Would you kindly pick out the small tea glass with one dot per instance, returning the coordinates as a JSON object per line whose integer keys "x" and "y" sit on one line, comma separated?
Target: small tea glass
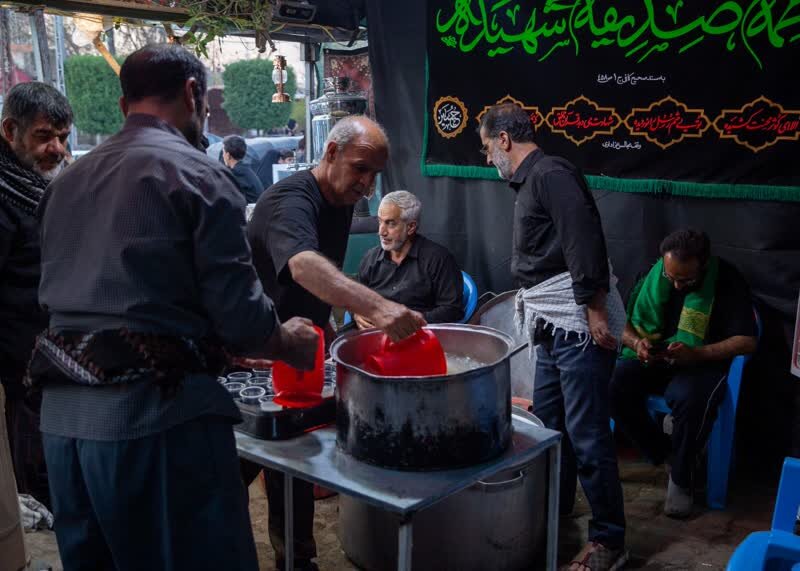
{"x": 260, "y": 382}
{"x": 240, "y": 377}
{"x": 251, "y": 395}
{"x": 235, "y": 389}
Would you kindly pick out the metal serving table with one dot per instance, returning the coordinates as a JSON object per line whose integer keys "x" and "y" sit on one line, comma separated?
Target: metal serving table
{"x": 314, "y": 457}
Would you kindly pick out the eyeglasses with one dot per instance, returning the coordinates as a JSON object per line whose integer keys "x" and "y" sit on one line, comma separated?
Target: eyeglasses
{"x": 684, "y": 282}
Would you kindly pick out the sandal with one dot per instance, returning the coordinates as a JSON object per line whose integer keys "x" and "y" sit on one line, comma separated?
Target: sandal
{"x": 597, "y": 557}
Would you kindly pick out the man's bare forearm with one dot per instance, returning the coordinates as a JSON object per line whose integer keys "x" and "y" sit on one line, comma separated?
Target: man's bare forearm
{"x": 629, "y": 336}
{"x": 319, "y": 276}
{"x": 730, "y": 347}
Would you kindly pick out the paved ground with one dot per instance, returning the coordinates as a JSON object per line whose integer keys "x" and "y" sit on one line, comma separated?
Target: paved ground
{"x": 703, "y": 542}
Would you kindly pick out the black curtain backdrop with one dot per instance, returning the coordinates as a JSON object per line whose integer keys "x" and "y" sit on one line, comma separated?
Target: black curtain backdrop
{"x": 473, "y": 218}
{"x": 620, "y": 116}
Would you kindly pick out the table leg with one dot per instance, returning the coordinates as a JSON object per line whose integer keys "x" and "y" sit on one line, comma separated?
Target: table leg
{"x": 404, "y": 546}
{"x": 288, "y": 521}
{"x": 554, "y": 470}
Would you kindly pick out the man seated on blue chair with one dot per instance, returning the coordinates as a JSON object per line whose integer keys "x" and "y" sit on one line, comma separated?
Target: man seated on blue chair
{"x": 687, "y": 318}
{"x": 408, "y": 268}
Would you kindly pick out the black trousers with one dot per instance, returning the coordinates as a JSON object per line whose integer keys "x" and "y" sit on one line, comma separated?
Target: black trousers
{"x": 305, "y": 548}
{"x": 692, "y": 392}
{"x": 170, "y": 502}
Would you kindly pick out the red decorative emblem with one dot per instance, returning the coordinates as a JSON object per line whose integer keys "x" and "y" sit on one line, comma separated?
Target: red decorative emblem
{"x": 758, "y": 124}
{"x": 582, "y": 119}
{"x": 667, "y": 122}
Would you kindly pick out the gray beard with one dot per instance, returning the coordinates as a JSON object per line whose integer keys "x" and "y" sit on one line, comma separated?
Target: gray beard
{"x": 503, "y": 165}
{"x": 395, "y": 247}
{"x": 52, "y": 173}
{"x": 392, "y": 248}
{"x": 27, "y": 161}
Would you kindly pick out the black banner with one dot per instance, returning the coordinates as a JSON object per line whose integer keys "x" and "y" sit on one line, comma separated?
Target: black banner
{"x": 688, "y": 96}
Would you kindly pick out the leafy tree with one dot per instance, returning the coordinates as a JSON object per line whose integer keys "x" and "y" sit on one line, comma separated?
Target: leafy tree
{"x": 248, "y": 95}
{"x": 93, "y": 91}
{"x": 299, "y": 113}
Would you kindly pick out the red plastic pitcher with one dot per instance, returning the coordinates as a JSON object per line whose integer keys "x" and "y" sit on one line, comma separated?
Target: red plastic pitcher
{"x": 300, "y": 389}
{"x": 420, "y": 355}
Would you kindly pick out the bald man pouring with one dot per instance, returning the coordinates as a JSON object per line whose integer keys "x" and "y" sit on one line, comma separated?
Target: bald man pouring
{"x": 298, "y": 233}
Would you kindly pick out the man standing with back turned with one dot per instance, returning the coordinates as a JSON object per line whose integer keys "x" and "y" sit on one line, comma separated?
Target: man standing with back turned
{"x": 147, "y": 275}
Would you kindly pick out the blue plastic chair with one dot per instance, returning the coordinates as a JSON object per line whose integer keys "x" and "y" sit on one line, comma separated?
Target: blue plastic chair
{"x": 470, "y": 297}
{"x": 720, "y": 442}
{"x": 469, "y": 304}
{"x": 778, "y": 548}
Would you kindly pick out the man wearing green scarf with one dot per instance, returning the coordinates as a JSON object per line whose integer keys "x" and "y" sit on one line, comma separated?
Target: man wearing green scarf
{"x": 687, "y": 318}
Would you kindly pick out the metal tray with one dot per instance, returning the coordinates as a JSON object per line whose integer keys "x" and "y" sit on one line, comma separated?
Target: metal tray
{"x": 279, "y": 423}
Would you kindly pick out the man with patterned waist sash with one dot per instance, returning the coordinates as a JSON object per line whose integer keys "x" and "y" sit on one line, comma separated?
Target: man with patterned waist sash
{"x": 687, "y": 318}
{"x": 148, "y": 280}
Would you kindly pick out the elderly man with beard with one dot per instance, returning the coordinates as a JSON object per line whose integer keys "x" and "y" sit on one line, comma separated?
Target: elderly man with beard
{"x": 148, "y": 278}
{"x": 573, "y": 314}
{"x": 408, "y": 268}
{"x": 36, "y": 121}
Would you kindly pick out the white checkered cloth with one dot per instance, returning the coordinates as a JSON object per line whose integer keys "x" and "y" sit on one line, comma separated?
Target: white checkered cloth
{"x": 34, "y": 514}
{"x": 553, "y": 303}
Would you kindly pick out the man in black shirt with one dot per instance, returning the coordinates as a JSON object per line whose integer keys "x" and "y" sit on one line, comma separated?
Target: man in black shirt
{"x": 299, "y": 232}
{"x": 410, "y": 269}
{"x": 234, "y": 149}
{"x": 35, "y": 124}
{"x": 573, "y": 315}
{"x": 687, "y": 318}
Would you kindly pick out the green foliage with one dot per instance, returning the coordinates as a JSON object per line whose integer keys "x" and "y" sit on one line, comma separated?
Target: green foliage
{"x": 248, "y": 95}
{"x": 93, "y": 91}
{"x": 299, "y": 113}
{"x": 211, "y": 20}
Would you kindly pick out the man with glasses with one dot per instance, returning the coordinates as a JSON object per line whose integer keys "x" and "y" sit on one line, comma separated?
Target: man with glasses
{"x": 687, "y": 318}
{"x": 299, "y": 232}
